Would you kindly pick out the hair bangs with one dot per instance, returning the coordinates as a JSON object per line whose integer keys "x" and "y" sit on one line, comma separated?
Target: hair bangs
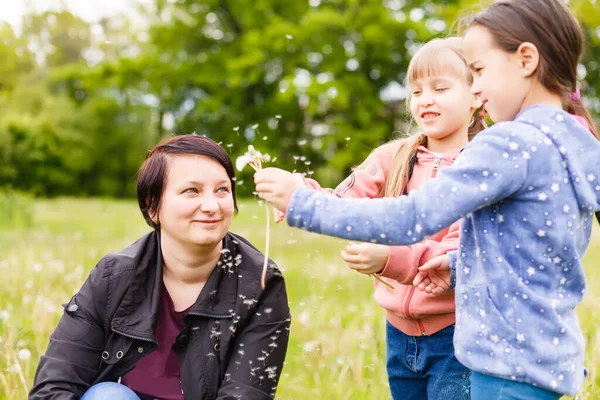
{"x": 437, "y": 59}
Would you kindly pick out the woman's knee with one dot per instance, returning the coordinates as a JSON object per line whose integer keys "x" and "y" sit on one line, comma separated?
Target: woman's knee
{"x": 109, "y": 390}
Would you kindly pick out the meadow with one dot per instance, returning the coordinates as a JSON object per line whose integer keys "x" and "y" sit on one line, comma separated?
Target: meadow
{"x": 337, "y": 343}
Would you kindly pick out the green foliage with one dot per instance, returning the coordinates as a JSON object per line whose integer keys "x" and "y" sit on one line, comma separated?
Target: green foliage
{"x": 337, "y": 340}
{"x": 16, "y": 210}
{"x": 81, "y": 104}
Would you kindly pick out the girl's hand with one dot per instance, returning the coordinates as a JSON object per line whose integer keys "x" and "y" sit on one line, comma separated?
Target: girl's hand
{"x": 276, "y": 186}
{"x": 434, "y": 276}
{"x": 366, "y": 258}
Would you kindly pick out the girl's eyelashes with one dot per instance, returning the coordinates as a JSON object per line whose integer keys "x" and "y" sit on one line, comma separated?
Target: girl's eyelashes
{"x": 417, "y": 92}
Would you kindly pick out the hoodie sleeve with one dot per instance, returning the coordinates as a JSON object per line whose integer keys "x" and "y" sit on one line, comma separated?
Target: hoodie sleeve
{"x": 404, "y": 261}
{"x": 452, "y": 261}
{"x": 473, "y": 182}
{"x": 367, "y": 180}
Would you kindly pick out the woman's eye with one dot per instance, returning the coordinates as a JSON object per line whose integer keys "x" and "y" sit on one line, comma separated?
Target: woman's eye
{"x": 190, "y": 190}
{"x": 442, "y": 89}
{"x": 416, "y": 92}
{"x": 223, "y": 189}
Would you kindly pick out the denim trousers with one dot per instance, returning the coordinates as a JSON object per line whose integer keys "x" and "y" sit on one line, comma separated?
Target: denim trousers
{"x": 486, "y": 387}
{"x": 424, "y": 367}
{"x": 109, "y": 391}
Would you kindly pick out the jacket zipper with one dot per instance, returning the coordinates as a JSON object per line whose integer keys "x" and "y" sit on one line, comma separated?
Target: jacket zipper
{"x": 411, "y": 291}
{"x": 436, "y": 166}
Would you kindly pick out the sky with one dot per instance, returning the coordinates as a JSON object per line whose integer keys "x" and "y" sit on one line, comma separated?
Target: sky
{"x": 11, "y": 11}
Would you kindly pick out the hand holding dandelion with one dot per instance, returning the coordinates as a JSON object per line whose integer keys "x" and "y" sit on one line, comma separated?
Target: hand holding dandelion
{"x": 276, "y": 186}
{"x": 255, "y": 158}
{"x": 367, "y": 258}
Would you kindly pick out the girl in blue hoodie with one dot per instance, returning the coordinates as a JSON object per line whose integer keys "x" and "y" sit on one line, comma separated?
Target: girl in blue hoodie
{"x": 526, "y": 190}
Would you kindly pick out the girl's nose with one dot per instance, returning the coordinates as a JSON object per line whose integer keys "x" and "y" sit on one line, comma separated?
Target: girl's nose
{"x": 475, "y": 88}
{"x": 426, "y": 99}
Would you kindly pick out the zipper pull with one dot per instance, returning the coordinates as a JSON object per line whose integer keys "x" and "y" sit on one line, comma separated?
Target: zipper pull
{"x": 436, "y": 166}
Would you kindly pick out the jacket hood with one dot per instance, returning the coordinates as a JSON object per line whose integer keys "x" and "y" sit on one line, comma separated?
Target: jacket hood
{"x": 580, "y": 151}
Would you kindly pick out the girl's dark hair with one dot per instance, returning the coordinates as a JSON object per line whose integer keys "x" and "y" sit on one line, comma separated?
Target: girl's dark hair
{"x": 554, "y": 30}
{"x": 153, "y": 172}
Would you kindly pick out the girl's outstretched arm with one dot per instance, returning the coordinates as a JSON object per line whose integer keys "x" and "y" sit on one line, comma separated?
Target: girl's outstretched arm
{"x": 492, "y": 167}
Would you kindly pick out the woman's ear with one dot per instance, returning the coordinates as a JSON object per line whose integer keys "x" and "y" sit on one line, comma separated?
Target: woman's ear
{"x": 153, "y": 213}
{"x": 528, "y": 58}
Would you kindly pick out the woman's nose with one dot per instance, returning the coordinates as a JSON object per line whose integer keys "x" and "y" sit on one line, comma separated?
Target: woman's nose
{"x": 209, "y": 204}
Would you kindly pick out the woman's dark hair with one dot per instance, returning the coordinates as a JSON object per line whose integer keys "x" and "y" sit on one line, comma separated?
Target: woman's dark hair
{"x": 153, "y": 172}
{"x": 554, "y": 30}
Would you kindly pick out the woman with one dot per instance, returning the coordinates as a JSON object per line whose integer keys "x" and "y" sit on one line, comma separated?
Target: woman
{"x": 180, "y": 314}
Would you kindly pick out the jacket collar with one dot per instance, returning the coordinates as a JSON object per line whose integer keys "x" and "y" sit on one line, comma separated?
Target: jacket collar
{"x": 450, "y": 155}
{"x": 137, "y": 313}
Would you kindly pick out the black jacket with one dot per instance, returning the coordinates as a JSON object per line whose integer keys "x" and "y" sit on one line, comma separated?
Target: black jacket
{"x": 232, "y": 347}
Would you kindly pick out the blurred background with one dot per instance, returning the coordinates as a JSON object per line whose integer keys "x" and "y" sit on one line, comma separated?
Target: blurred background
{"x": 88, "y": 86}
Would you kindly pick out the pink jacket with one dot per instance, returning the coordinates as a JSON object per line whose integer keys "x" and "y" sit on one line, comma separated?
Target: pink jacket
{"x": 410, "y": 310}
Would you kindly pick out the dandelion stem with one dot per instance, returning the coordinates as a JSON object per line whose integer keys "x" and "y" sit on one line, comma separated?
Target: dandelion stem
{"x": 254, "y": 159}
{"x": 381, "y": 280}
{"x": 374, "y": 275}
{"x": 266, "y": 262}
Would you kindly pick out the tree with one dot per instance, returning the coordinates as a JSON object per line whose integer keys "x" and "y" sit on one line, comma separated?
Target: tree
{"x": 317, "y": 84}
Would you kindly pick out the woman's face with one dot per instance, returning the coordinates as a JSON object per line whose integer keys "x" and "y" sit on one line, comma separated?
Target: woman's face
{"x": 197, "y": 204}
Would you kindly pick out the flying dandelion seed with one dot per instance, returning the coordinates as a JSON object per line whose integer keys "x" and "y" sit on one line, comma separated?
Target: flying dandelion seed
{"x": 24, "y": 354}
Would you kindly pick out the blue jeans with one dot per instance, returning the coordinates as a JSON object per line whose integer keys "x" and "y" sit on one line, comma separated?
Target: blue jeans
{"x": 109, "y": 390}
{"x": 486, "y": 387}
{"x": 424, "y": 367}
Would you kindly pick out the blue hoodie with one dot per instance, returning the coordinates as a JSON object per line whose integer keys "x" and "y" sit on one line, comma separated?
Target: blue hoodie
{"x": 526, "y": 191}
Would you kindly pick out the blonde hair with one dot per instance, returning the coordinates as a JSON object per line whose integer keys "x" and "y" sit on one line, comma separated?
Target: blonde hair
{"x": 434, "y": 58}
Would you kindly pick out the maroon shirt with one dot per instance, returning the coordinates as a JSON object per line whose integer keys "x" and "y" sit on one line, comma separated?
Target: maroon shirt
{"x": 156, "y": 376}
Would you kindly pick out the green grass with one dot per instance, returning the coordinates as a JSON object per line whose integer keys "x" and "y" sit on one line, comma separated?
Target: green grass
{"x": 337, "y": 346}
